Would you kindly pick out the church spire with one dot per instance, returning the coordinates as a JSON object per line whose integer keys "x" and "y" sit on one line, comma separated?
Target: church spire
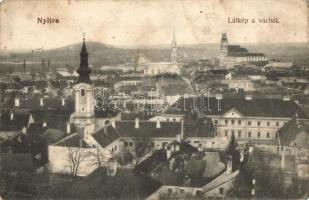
{"x": 84, "y": 70}
{"x": 174, "y": 48}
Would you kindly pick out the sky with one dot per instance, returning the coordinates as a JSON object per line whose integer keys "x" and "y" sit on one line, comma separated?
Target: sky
{"x": 141, "y": 23}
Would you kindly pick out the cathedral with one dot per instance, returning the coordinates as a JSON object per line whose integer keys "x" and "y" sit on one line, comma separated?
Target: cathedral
{"x": 233, "y": 55}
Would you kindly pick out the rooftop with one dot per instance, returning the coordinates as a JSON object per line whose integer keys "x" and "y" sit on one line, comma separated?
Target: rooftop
{"x": 275, "y": 108}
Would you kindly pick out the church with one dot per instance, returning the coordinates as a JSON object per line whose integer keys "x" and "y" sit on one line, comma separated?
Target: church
{"x": 235, "y": 55}
{"x": 172, "y": 67}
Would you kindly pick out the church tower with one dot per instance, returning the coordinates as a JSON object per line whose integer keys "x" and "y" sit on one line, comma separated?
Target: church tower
{"x": 83, "y": 116}
{"x": 224, "y": 44}
{"x": 223, "y": 49}
{"x": 174, "y": 49}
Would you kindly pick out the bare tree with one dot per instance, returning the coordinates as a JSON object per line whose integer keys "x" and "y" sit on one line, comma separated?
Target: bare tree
{"x": 142, "y": 147}
{"x": 75, "y": 158}
{"x": 98, "y": 156}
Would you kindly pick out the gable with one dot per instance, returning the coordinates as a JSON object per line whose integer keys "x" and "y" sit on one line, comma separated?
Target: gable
{"x": 233, "y": 113}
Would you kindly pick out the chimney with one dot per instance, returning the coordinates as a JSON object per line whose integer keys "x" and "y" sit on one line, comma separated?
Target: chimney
{"x": 158, "y": 124}
{"x": 248, "y": 97}
{"x": 168, "y": 153}
{"x": 11, "y": 115}
{"x": 44, "y": 124}
{"x": 68, "y": 127}
{"x": 113, "y": 123}
{"x": 229, "y": 165}
{"x": 286, "y": 98}
{"x": 62, "y": 101}
{"x": 41, "y": 101}
{"x": 283, "y": 159}
{"x": 219, "y": 97}
{"x": 182, "y": 131}
{"x": 81, "y": 143}
{"x": 17, "y": 103}
{"x": 136, "y": 123}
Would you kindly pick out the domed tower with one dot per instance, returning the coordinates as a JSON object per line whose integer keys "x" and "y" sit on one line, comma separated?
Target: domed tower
{"x": 84, "y": 95}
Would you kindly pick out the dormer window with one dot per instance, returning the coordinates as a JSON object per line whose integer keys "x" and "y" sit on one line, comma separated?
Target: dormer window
{"x": 82, "y": 92}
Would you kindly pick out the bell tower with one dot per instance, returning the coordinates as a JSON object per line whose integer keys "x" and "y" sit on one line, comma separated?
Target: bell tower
{"x": 84, "y": 94}
{"x": 223, "y": 48}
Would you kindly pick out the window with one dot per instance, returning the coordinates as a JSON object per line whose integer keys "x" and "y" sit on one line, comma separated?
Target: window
{"x": 196, "y": 142}
{"x": 249, "y": 123}
{"x": 226, "y": 133}
{"x": 126, "y": 144}
{"x": 221, "y": 190}
{"x": 82, "y": 92}
{"x": 130, "y": 144}
{"x": 277, "y": 123}
{"x": 232, "y": 121}
{"x": 115, "y": 148}
{"x": 239, "y": 133}
{"x": 259, "y": 123}
{"x": 267, "y": 135}
{"x": 249, "y": 134}
{"x": 233, "y": 132}
{"x": 226, "y": 121}
{"x": 152, "y": 144}
{"x": 216, "y": 121}
{"x": 258, "y": 134}
{"x": 169, "y": 190}
{"x": 181, "y": 191}
{"x": 239, "y": 122}
{"x": 268, "y": 123}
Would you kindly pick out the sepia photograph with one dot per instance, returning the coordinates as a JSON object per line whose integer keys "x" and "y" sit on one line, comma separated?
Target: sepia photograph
{"x": 154, "y": 99}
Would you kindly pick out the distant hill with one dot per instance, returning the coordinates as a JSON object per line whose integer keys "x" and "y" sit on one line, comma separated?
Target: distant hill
{"x": 102, "y": 54}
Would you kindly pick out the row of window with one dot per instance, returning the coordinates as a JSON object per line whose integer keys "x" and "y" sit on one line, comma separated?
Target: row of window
{"x": 249, "y": 123}
{"x": 249, "y": 134}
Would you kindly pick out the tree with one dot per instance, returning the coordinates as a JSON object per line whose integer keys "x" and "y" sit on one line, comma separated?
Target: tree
{"x": 142, "y": 147}
{"x": 75, "y": 157}
{"x": 98, "y": 156}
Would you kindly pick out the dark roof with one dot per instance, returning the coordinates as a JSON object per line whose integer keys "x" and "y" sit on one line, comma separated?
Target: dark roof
{"x": 106, "y": 135}
{"x": 249, "y": 108}
{"x": 201, "y": 129}
{"x": 290, "y": 130}
{"x": 72, "y": 141}
{"x": 148, "y": 128}
{"x": 16, "y": 162}
{"x": 133, "y": 115}
{"x": 20, "y": 120}
{"x": 236, "y": 49}
{"x": 56, "y": 119}
{"x": 49, "y": 103}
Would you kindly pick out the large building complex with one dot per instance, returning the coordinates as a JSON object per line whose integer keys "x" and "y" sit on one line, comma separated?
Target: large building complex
{"x": 233, "y": 55}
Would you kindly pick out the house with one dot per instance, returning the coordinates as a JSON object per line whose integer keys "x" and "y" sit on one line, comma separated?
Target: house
{"x": 14, "y": 122}
{"x": 248, "y": 119}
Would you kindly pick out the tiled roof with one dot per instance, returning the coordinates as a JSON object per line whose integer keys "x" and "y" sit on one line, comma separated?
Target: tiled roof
{"x": 236, "y": 49}
{"x": 20, "y": 120}
{"x": 56, "y": 119}
{"x": 147, "y": 128}
{"x": 50, "y": 103}
{"x": 72, "y": 141}
{"x": 276, "y": 108}
{"x": 290, "y": 130}
{"x": 105, "y": 136}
